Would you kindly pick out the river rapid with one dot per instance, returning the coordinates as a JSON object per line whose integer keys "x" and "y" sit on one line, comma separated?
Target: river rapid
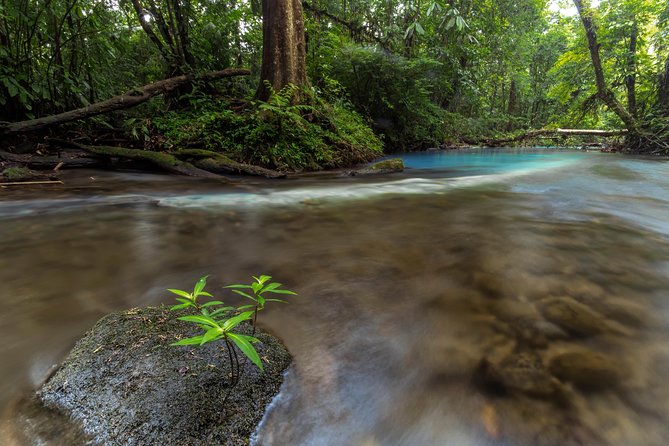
{"x": 483, "y": 297}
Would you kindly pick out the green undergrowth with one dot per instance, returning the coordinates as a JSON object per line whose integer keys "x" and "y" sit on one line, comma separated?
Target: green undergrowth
{"x": 275, "y": 134}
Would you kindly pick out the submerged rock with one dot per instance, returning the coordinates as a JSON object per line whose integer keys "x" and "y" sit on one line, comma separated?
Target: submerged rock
{"x": 577, "y": 318}
{"x": 382, "y": 167}
{"x": 588, "y": 369}
{"x": 124, "y": 384}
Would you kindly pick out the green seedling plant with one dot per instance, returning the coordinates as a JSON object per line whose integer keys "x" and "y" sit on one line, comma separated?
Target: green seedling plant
{"x": 218, "y": 321}
{"x": 258, "y": 287}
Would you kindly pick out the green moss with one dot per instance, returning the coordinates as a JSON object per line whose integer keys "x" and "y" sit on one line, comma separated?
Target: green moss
{"x": 394, "y": 164}
{"x": 274, "y": 134}
{"x": 18, "y": 174}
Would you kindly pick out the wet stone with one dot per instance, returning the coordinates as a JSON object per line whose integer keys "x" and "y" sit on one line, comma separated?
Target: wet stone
{"x": 124, "y": 384}
{"x": 576, "y": 318}
{"x": 588, "y": 369}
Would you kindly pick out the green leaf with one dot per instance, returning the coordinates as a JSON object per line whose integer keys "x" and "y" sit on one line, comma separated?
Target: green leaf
{"x": 236, "y": 320}
{"x": 241, "y": 293}
{"x": 221, "y": 310}
{"x": 180, "y": 306}
{"x": 204, "y": 293}
{"x": 246, "y": 307}
{"x": 185, "y": 301}
{"x": 245, "y": 346}
{"x": 211, "y": 335}
{"x": 199, "y": 286}
{"x": 277, "y": 300}
{"x": 213, "y": 302}
{"x": 256, "y": 287}
{"x": 181, "y": 293}
{"x": 238, "y": 286}
{"x": 262, "y": 279}
{"x": 195, "y": 340}
{"x": 419, "y": 29}
{"x": 283, "y": 292}
{"x": 271, "y": 286}
{"x": 200, "y": 319}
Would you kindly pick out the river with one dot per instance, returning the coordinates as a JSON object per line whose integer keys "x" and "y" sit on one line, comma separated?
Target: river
{"x": 482, "y": 297}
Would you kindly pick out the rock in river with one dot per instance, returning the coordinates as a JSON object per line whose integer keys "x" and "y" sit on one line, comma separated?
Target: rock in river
{"x": 588, "y": 369}
{"x": 577, "y": 318}
{"x": 125, "y": 385}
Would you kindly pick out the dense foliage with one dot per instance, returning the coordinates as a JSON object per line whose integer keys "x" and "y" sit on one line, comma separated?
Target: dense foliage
{"x": 420, "y": 73}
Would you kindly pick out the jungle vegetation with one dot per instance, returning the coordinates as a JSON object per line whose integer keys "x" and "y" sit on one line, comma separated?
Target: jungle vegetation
{"x": 221, "y": 85}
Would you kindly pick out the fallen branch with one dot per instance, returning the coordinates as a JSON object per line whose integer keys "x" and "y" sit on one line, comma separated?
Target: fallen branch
{"x": 30, "y": 183}
{"x": 554, "y": 132}
{"x": 219, "y": 163}
{"x": 121, "y": 102}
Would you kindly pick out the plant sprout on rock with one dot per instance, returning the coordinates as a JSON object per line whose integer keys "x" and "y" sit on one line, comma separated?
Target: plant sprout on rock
{"x": 218, "y": 321}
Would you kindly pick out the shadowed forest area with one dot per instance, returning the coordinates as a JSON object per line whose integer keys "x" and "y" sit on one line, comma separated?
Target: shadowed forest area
{"x": 205, "y": 87}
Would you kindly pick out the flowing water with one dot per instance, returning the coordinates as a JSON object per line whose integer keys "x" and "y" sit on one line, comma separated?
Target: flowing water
{"x": 492, "y": 297}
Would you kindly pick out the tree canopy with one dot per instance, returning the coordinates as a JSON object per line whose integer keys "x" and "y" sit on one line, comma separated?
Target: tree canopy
{"x": 419, "y": 72}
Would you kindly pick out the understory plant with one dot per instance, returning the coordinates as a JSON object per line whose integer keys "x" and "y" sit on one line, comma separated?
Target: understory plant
{"x": 219, "y": 322}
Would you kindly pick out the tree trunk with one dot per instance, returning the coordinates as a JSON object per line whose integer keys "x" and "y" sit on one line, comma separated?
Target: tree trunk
{"x": 663, "y": 93}
{"x": 121, "y": 102}
{"x": 603, "y": 91}
{"x": 284, "y": 47}
{"x": 630, "y": 78}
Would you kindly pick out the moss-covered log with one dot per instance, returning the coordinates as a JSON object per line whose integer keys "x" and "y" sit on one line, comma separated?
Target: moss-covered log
{"x": 219, "y": 163}
{"x": 165, "y": 161}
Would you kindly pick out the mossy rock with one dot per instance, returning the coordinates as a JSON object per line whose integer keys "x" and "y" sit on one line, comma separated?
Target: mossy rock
{"x": 382, "y": 167}
{"x": 123, "y": 384}
{"x": 16, "y": 174}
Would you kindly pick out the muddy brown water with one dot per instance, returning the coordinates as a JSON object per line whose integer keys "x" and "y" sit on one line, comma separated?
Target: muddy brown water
{"x": 483, "y": 298}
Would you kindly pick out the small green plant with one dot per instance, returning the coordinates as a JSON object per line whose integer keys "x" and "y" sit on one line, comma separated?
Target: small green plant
{"x": 258, "y": 288}
{"x": 219, "y": 321}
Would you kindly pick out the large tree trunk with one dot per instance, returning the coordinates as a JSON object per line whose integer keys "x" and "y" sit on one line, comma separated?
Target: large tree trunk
{"x": 126, "y": 100}
{"x": 603, "y": 92}
{"x": 284, "y": 48}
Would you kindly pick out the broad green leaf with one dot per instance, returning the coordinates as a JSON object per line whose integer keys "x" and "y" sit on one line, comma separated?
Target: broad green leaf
{"x": 185, "y": 301}
{"x": 211, "y": 335}
{"x": 204, "y": 293}
{"x": 181, "y": 293}
{"x": 213, "y": 302}
{"x": 419, "y": 29}
{"x": 195, "y": 340}
{"x": 245, "y": 346}
{"x": 241, "y": 293}
{"x": 271, "y": 286}
{"x": 200, "y": 319}
{"x": 261, "y": 301}
{"x": 199, "y": 286}
{"x": 180, "y": 306}
{"x": 262, "y": 279}
{"x": 256, "y": 287}
{"x": 236, "y": 320}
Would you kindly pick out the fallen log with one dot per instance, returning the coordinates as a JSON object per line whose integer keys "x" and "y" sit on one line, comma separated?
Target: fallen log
{"x": 219, "y": 163}
{"x": 41, "y": 162}
{"x": 554, "y": 132}
{"x": 165, "y": 161}
{"x": 126, "y": 100}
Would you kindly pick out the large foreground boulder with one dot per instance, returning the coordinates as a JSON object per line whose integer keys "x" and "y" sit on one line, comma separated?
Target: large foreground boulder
{"x": 123, "y": 384}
